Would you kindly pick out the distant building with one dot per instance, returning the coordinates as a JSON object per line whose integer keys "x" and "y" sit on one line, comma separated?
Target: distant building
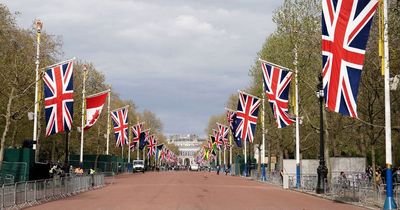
{"x": 188, "y": 146}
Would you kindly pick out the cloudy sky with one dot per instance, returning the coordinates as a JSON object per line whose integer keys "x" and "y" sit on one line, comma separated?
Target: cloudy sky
{"x": 178, "y": 58}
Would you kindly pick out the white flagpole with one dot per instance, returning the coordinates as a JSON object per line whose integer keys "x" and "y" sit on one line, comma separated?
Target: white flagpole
{"x": 224, "y": 157}
{"x": 129, "y": 146}
{"x": 108, "y": 121}
{"x": 138, "y": 143}
{"x": 263, "y": 177}
{"x": 144, "y": 155}
{"x": 39, "y": 25}
{"x": 83, "y": 114}
{"x": 137, "y": 148}
{"x": 298, "y": 177}
{"x": 219, "y": 157}
{"x": 389, "y": 201}
{"x": 245, "y": 159}
{"x": 230, "y": 149}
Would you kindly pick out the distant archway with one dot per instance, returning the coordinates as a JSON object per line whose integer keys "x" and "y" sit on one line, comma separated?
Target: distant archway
{"x": 187, "y": 161}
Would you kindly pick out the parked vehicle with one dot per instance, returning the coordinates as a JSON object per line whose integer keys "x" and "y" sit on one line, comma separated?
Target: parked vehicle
{"x": 138, "y": 165}
{"x": 194, "y": 167}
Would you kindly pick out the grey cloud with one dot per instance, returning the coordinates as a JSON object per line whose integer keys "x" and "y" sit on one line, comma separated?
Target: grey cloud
{"x": 178, "y": 58}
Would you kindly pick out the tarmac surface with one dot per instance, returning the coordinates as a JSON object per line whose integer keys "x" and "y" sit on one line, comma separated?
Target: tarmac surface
{"x": 184, "y": 190}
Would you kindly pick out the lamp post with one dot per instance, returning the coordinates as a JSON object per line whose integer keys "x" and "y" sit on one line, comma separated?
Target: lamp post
{"x": 322, "y": 170}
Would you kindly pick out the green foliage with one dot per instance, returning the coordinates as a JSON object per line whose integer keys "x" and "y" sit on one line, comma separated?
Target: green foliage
{"x": 17, "y": 70}
{"x": 298, "y": 25}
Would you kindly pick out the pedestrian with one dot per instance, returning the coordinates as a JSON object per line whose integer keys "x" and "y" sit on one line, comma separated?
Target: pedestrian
{"x": 92, "y": 171}
{"x": 71, "y": 170}
{"x": 228, "y": 169}
{"x": 378, "y": 178}
{"x": 396, "y": 175}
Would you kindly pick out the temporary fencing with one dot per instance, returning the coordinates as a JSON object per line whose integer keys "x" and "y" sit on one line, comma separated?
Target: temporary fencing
{"x": 356, "y": 189}
{"x": 23, "y": 194}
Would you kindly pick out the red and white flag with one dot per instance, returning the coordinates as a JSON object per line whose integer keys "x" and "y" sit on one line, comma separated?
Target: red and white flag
{"x": 94, "y": 105}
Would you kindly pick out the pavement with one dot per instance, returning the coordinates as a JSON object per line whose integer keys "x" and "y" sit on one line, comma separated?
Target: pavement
{"x": 182, "y": 190}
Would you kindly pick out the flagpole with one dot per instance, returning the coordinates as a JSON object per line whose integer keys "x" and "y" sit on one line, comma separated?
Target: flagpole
{"x": 245, "y": 159}
{"x": 230, "y": 149}
{"x": 108, "y": 122}
{"x": 224, "y": 157}
{"x": 298, "y": 177}
{"x": 276, "y": 65}
{"x": 389, "y": 201}
{"x": 138, "y": 143}
{"x": 129, "y": 146}
{"x": 83, "y": 114}
{"x": 263, "y": 177}
{"x": 137, "y": 152}
{"x": 144, "y": 155}
{"x": 219, "y": 157}
{"x": 39, "y": 25}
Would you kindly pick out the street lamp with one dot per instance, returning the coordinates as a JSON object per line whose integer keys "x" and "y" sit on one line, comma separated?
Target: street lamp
{"x": 322, "y": 170}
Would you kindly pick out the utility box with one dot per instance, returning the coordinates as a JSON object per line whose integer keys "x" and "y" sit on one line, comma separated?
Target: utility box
{"x": 17, "y": 164}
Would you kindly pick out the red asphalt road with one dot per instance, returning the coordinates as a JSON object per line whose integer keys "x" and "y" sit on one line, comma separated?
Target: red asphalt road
{"x": 190, "y": 190}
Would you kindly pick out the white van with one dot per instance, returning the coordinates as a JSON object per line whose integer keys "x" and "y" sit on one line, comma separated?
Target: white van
{"x": 138, "y": 165}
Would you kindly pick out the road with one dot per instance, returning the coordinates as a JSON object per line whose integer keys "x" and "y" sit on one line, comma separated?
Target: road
{"x": 190, "y": 190}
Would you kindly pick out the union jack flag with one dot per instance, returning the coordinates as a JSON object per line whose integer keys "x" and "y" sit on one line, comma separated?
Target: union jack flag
{"x": 136, "y": 130}
{"x": 163, "y": 153}
{"x": 231, "y": 117}
{"x": 218, "y": 140}
{"x": 143, "y": 138}
{"x": 168, "y": 155}
{"x": 246, "y": 116}
{"x": 120, "y": 120}
{"x": 59, "y": 101}
{"x": 345, "y": 31}
{"x": 277, "y": 85}
{"x": 223, "y": 134}
{"x": 151, "y": 145}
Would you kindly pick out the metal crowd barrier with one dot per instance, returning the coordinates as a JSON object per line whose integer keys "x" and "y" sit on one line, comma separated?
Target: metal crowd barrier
{"x": 23, "y": 194}
{"x": 352, "y": 190}
{"x": 361, "y": 191}
{"x": 308, "y": 183}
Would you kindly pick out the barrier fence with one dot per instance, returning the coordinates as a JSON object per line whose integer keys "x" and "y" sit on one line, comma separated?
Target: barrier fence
{"x": 23, "y": 194}
{"x": 356, "y": 189}
{"x": 353, "y": 190}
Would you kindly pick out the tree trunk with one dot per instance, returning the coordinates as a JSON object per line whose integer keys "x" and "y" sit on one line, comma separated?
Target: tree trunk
{"x": 7, "y": 125}
{"x": 53, "y": 151}
{"x": 363, "y": 143}
{"x": 280, "y": 151}
{"x": 14, "y": 134}
{"x": 97, "y": 149}
{"x": 326, "y": 149}
{"x": 269, "y": 157}
{"x": 373, "y": 165}
{"x": 286, "y": 154}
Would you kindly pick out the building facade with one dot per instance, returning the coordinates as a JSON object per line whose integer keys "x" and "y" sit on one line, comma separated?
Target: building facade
{"x": 188, "y": 146}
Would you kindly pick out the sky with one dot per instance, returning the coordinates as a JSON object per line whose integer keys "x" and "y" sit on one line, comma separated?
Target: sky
{"x": 180, "y": 59}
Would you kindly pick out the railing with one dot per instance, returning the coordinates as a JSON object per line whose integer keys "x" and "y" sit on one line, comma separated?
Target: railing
{"x": 23, "y": 194}
{"x": 308, "y": 183}
{"x": 361, "y": 191}
{"x": 351, "y": 190}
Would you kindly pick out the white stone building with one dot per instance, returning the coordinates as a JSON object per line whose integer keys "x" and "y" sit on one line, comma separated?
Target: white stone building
{"x": 188, "y": 146}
